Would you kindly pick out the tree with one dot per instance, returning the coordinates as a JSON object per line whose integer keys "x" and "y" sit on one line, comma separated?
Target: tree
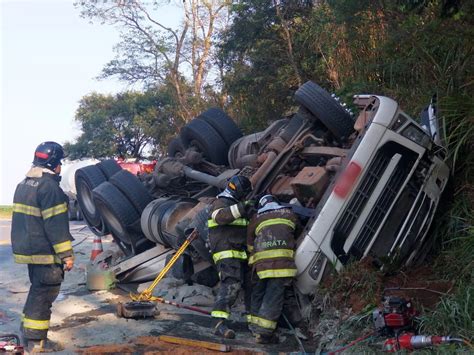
{"x": 154, "y": 54}
{"x": 128, "y": 125}
{"x": 261, "y": 65}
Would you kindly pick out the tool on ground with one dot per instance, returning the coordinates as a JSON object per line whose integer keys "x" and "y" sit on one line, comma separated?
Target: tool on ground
{"x": 180, "y": 305}
{"x": 96, "y": 247}
{"x": 395, "y": 315}
{"x": 198, "y": 343}
{"x": 410, "y": 341}
{"x": 10, "y": 344}
{"x": 396, "y": 318}
{"x": 142, "y": 304}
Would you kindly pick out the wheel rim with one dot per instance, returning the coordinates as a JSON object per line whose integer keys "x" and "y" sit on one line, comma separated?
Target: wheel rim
{"x": 87, "y": 200}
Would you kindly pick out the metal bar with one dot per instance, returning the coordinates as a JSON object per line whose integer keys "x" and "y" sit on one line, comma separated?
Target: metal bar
{"x": 192, "y": 342}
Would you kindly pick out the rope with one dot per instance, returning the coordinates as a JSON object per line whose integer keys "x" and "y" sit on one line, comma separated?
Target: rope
{"x": 294, "y": 333}
{"x": 75, "y": 245}
{"x": 352, "y": 343}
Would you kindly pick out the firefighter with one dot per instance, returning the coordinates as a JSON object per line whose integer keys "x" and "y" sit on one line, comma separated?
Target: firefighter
{"x": 40, "y": 238}
{"x": 271, "y": 240}
{"x": 227, "y": 238}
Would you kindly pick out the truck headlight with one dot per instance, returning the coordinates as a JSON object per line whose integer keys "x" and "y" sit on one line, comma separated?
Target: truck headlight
{"x": 317, "y": 266}
{"x": 416, "y": 135}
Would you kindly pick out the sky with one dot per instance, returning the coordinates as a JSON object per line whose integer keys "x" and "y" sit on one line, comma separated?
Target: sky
{"x": 49, "y": 59}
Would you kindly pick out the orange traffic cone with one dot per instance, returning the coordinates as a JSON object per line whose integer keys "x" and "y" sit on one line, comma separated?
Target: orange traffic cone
{"x": 96, "y": 247}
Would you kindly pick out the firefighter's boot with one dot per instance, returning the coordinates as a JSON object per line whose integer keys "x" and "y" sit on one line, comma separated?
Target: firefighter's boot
{"x": 266, "y": 339}
{"x": 43, "y": 346}
{"x": 223, "y": 330}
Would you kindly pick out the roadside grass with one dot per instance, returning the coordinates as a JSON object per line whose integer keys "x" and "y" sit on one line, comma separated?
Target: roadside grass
{"x": 358, "y": 286}
{"x": 453, "y": 315}
{"x": 5, "y": 212}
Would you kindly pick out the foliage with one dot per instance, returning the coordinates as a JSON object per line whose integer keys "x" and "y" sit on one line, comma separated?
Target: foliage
{"x": 128, "y": 125}
{"x": 154, "y": 54}
{"x": 453, "y": 315}
{"x": 6, "y": 212}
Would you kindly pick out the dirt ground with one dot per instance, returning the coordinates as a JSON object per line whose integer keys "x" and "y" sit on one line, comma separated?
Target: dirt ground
{"x": 85, "y": 321}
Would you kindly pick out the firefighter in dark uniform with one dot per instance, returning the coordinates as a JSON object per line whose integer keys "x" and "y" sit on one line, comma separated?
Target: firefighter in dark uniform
{"x": 227, "y": 238}
{"x": 271, "y": 242}
{"x": 40, "y": 238}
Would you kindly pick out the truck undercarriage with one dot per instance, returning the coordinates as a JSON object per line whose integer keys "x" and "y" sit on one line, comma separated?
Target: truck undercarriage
{"x": 363, "y": 185}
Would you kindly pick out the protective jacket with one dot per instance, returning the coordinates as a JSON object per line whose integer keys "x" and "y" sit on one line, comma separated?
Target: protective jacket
{"x": 40, "y": 225}
{"x": 271, "y": 243}
{"x": 227, "y": 229}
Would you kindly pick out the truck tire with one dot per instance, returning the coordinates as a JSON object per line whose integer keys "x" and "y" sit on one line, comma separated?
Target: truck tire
{"x": 176, "y": 148}
{"x": 87, "y": 179}
{"x": 132, "y": 188}
{"x": 116, "y": 210}
{"x": 198, "y": 133}
{"x": 222, "y": 123}
{"x": 326, "y": 109}
{"x": 109, "y": 167}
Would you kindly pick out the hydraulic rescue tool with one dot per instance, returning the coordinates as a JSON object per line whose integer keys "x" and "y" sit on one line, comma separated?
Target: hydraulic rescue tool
{"x": 396, "y": 318}
{"x": 410, "y": 341}
{"x": 143, "y": 305}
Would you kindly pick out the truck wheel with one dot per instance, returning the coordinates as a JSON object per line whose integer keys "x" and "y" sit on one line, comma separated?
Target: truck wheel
{"x": 222, "y": 123}
{"x": 109, "y": 167}
{"x": 176, "y": 148}
{"x": 116, "y": 210}
{"x": 198, "y": 133}
{"x": 132, "y": 188}
{"x": 326, "y": 109}
{"x": 87, "y": 179}
{"x": 79, "y": 216}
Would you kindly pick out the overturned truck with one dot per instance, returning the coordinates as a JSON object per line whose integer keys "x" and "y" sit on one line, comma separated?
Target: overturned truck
{"x": 364, "y": 184}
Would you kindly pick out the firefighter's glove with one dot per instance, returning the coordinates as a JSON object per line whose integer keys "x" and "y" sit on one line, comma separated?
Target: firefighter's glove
{"x": 68, "y": 263}
{"x": 250, "y": 207}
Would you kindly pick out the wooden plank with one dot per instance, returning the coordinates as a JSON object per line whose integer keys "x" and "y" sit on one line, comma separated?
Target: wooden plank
{"x": 198, "y": 343}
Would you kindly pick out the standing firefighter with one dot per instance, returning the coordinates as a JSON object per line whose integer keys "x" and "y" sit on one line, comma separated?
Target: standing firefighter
{"x": 227, "y": 232}
{"x": 271, "y": 234}
{"x": 40, "y": 238}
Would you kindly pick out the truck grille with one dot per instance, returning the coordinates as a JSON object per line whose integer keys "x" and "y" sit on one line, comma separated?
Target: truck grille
{"x": 357, "y": 203}
{"x": 379, "y": 211}
{"x": 360, "y": 197}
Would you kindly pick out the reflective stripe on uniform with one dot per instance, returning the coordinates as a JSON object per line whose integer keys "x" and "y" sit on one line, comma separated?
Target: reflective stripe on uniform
{"x": 35, "y": 324}
{"x": 54, "y": 211}
{"x": 239, "y": 222}
{"x": 228, "y": 254}
{"x": 220, "y": 314}
{"x": 25, "y": 209}
{"x": 61, "y": 247}
{"x": 36, "y": 259}
{"x": 248, "y": 317}
{"x": 270, "y": 254}
{"x": 249, "y": 247}
{"x": 266, "y": 274}
{"x": 234, "y": 209}
{"x": 274, "y": 221}
{"x": 262, "y": 322}
{"x": 214, "y": 214}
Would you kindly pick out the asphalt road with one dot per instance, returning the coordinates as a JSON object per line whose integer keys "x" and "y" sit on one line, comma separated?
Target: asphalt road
{"x": 83, "y": 318}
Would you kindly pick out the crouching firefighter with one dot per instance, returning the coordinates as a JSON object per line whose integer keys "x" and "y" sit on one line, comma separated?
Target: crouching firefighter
{"x": 271, "y": 242}
{"x": 227, "y": 238}
{"x": 40, "y": 238}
